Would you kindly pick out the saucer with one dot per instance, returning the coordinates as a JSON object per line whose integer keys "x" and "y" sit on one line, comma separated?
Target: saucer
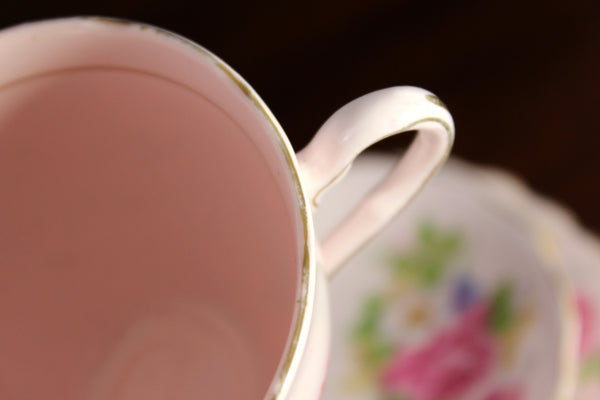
{"x": 561, "y": 240}
{"x": 582, "y": 251}
{"x": 460, "y": 297}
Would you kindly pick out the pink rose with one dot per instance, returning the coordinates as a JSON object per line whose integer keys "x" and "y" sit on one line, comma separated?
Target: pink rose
{"x": 506, "y": 393}
{"x": 446, "y": 367}
{"x": 588, "y": 324}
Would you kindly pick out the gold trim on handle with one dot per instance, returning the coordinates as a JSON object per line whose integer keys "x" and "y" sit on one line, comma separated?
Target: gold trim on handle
{"x": 449, "y": 131}
{"x": 435, "y": 100}
{"x": 442, "y": 160}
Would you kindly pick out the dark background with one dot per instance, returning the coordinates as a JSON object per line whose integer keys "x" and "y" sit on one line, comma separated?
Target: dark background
{"x": 520, "y": 77}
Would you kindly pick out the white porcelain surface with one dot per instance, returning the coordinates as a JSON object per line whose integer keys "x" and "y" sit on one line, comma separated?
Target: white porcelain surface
{"x": 422, "y": 343}
{"x": 561, "y": 240}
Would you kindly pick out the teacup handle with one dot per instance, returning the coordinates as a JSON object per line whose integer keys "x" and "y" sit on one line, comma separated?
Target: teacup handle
{"x": 352, "y": 129}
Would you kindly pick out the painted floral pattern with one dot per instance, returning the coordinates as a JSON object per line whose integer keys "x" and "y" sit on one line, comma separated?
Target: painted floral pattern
{"x": 505, "y": 393}
{"x": 445, "y": 367}
{"x": 587, "y": 322}
{"x": 589, "y": 349}
{"x": 482, "y": 329}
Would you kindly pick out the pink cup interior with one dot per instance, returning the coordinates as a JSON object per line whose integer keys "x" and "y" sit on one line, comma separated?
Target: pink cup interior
{"x": 150, "y": 237}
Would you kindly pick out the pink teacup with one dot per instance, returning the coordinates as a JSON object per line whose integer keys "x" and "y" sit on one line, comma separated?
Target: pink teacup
{"x": 157, "y": 235}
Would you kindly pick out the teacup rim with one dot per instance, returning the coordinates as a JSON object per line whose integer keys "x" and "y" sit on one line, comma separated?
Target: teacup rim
{"x": 298, "y": 332}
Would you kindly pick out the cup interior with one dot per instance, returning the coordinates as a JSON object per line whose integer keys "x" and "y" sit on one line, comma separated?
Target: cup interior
{"x": 151, "y": 236}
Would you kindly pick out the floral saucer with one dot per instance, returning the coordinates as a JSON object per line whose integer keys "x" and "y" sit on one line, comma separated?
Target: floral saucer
{"x": 561, "y": 240}
{"x": 455, "y": 300}
{"x": 583, "y": 253}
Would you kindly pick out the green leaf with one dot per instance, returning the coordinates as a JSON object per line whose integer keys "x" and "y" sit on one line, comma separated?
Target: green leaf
{"x": 429, "y": 257}
{"x": 378, "y": 353}
{"x": 403, "y": 264}
{"x": 370, "y": 316}
{"x": 591, "y": 368}
{"x": 502, "y": 314}
{"x": 427, "y": 233}
{"x": 374, "y": 350}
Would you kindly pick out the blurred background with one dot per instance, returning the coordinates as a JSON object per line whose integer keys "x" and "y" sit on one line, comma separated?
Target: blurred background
{"x": 520, "y": 77}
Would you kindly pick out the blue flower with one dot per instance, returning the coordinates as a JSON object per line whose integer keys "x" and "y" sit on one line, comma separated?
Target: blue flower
{"x": 464, "y": 294}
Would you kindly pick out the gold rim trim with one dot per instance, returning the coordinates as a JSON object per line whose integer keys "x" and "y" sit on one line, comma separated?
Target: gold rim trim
{"x": 435, "y": 100}
{"x": 299, "y": 326}
{"x": 280, "y": 382}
